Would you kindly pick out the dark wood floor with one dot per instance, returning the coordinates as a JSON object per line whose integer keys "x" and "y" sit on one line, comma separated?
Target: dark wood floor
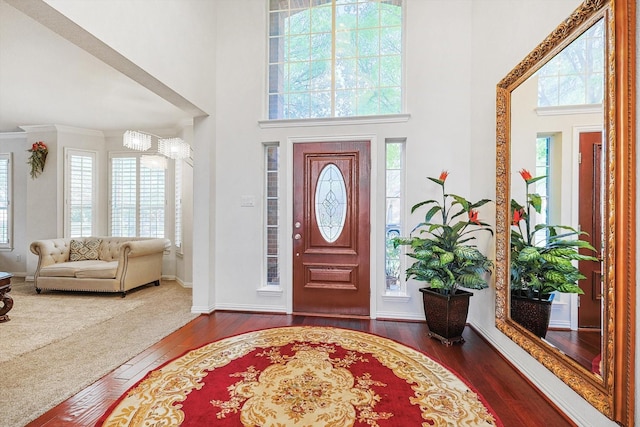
{"x": 582, "y": 345}
{"x": 513, "y": 398}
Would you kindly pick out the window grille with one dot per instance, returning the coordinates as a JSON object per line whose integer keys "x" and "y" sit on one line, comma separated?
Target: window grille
{"x": 272, "y": 214}
{"x": 334, "y": 58}
{"x": 394, "y": 201}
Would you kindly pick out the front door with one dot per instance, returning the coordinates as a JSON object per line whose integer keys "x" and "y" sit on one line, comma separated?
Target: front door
{"x": 331, "y": 228}
{"x": 590, "y": 218}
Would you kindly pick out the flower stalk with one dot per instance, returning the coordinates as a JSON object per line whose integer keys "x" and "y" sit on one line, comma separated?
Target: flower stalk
{"x": 443, "y": 254}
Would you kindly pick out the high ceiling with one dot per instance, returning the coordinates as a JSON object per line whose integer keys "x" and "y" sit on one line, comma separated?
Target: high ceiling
{"x": 46, "y": 79}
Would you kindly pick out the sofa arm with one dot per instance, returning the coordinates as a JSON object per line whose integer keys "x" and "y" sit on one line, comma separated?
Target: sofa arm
{"x": 50, "y": 251}
{"x": 136, "y": 248}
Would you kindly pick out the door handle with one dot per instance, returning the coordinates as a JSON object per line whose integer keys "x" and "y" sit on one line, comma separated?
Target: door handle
{"x": 297, "y": 236}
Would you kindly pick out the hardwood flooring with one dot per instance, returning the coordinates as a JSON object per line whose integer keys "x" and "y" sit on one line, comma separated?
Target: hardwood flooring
{"x": 582, "y": 345}
{"x": 512, "y": 397}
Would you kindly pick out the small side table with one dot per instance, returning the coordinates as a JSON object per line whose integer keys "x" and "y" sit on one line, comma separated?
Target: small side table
{"x": 5, "y": 298}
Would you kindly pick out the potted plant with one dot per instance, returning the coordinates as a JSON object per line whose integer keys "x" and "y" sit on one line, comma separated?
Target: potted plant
{"x": 543, "y": 261}
{"x": 445, "y": 258}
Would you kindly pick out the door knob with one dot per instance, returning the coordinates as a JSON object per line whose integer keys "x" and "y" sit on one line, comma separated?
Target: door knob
{"x": 297, "y": 236}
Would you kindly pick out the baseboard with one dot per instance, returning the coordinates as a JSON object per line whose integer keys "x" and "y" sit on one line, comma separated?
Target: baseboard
{"x": 560, "y": 395}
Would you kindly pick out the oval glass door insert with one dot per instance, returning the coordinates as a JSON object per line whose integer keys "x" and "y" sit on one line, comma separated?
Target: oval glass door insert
{"x": 331, "y": 202}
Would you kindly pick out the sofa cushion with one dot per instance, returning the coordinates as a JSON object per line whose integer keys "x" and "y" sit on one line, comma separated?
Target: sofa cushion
{"x": 80, "y": 250}
{"x": 104, "y": 270}
{"x": 85, "y": 269}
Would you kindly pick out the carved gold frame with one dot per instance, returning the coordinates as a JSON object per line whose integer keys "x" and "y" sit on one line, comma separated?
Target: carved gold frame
{"x": 613, "y": 393}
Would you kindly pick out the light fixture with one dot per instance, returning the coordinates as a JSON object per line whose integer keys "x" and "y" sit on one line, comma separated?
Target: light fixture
{"x": 136, "y": 140}
{"x": 153, "y": 162}
{"x": 174, "y": 148}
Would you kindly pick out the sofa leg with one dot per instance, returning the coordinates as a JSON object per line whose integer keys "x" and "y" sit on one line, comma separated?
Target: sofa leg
{"x": 157, "y": 283}
{"x": 124, "y": 294}
{"x": 38, "y": 290}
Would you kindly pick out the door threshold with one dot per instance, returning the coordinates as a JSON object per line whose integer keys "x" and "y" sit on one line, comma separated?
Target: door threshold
{"x": 333, "y": 315}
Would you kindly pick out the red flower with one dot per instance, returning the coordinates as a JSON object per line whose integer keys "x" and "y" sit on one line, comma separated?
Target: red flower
{"x": 443, "y": 176}
{"x": 473, "y": 216}
{"x": 518, "y": 215}
{"x": 525, "y": 174}
{"x": 41, "y": 145}
{"x": 34, "y": 146}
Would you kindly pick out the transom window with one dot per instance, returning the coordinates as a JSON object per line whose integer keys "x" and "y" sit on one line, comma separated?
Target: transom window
{"x": 334, "y": 58}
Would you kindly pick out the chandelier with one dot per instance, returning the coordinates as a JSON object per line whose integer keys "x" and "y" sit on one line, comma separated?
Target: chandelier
{"x": 174, "y": 148}
{"x": 136, "y": 140}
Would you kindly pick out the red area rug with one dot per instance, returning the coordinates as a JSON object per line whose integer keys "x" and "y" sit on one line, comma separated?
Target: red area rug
{"x": 301, "y": 376}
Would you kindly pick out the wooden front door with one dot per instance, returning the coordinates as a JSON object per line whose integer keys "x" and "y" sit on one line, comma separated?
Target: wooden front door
{"x": 590, "y": 218}
{"x": 331, "y": 228}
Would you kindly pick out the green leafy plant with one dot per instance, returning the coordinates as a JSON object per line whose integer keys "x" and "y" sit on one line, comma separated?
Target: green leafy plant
{"x": 539, "y": 268}
{"x": 443, "y": 252}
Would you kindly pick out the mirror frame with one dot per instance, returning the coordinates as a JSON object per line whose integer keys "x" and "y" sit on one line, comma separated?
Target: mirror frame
{"x": 613, "y": 393}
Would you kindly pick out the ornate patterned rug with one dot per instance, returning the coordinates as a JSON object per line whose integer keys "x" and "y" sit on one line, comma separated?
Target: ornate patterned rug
{"x": 302, "y": 376}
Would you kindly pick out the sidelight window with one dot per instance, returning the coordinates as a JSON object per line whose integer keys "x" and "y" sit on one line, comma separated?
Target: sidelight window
{"x": 272, "y": 213}
{"x": 394, "y": 199}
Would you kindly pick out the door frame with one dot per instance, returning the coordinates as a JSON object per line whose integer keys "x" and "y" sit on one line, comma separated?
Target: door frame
{"x": 286, "y": 258}
{"x": 575, "y": 202}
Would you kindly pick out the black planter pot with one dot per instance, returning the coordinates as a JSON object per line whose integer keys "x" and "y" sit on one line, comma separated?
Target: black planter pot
{"x": 532, "y": 313}
{"x": 446, "y": 314}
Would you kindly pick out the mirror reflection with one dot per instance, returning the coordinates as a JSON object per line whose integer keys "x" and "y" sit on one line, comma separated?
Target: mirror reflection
{"x": 557, "y": 166}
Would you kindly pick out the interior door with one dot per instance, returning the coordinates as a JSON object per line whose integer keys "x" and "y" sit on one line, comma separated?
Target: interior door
{"x": 331, "y": 229}
{"x": 590, "y": 218}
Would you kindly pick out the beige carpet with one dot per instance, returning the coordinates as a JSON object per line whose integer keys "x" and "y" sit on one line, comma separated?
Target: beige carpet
{"x": 58, "y": 343}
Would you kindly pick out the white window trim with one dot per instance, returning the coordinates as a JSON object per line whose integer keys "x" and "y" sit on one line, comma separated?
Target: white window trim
{"x": 9, "y": 245}
{"x": 68, "y": 152}
{"x": 266, "y": 288}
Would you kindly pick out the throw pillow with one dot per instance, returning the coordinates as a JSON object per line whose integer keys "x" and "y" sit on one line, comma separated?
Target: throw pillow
{"x": 84, "y": 250}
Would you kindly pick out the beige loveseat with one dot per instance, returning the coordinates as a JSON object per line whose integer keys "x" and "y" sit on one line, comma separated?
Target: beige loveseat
{"x": 99, "y": 264}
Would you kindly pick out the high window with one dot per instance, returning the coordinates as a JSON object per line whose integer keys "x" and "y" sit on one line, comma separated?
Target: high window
{"x": 137, "y": 198}
{"x": 334, "y": 58}
{"x": 6, "y": 217}
{"x": 394, "y": 184}
{"x": 80, "y": 193}
{"x": 272, "y": 213}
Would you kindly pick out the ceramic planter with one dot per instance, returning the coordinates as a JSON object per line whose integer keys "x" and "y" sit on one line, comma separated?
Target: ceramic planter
{"x": 446, "y": 315}
{"x": 532, "y": 313}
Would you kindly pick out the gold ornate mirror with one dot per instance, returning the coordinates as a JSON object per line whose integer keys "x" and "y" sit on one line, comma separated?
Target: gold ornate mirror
{"x": 610, "y": 387}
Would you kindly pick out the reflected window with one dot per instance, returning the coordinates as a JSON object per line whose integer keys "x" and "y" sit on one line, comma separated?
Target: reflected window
{"x": 334, "y": 58}
{"x": 543, "y": 168}
{"x": 575, "y": 76}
